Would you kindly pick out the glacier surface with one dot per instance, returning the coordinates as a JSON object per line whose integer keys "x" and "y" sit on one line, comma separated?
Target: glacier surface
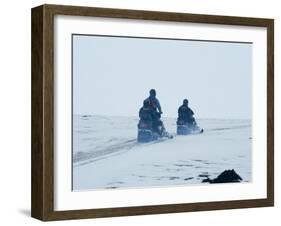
{"x": 106, "y": 154}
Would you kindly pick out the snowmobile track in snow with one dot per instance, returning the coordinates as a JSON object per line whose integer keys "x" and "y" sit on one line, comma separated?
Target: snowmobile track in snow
{"x": 119, "y": 148}
{"x": 116, "y": 149}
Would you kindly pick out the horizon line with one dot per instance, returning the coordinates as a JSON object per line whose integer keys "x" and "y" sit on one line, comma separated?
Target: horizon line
{"x": 136, "y": 116}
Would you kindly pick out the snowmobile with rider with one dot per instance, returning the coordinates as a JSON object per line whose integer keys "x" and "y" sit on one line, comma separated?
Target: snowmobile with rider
{"x": 150, "y": 126}
{"x": 186, "y": 123}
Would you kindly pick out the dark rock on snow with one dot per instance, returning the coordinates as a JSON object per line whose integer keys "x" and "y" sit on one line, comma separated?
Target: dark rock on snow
{"x": 227, "y": 176}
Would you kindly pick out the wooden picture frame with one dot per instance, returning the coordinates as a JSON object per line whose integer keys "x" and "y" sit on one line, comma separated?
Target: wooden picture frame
{"x": 42, "y": 203}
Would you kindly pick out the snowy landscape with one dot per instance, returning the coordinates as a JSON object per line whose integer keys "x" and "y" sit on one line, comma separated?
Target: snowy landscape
{"x": 106, "y": 154}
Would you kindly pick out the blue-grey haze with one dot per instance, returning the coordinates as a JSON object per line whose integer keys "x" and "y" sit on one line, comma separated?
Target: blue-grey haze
{"x": 113, "y": 75}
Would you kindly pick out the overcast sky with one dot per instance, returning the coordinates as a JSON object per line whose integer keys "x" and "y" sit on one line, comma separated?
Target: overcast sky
{"x": 113, "y": 75}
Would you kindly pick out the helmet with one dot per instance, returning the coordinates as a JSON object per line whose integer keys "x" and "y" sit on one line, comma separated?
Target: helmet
{"x": 152, "y": 92}
{"x": 146, "y": 103}
{"x": 185, "y": 101}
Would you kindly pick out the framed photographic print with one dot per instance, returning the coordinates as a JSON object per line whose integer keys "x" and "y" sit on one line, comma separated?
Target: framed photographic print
{"x": 141, "y": 112}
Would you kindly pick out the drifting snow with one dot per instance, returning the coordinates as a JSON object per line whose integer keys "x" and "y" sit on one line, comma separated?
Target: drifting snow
{"x": 106, "y": 154}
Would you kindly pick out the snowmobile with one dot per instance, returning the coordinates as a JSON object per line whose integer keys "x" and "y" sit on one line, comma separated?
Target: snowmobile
{"x": 151, "y": 130}
{"x": 186, "y": 128}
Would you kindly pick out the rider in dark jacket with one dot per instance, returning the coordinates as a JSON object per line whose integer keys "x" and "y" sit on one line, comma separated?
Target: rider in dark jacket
{"x": 185, "y": 113}
{"x": 146, "y": 113}
{"x": 153, "y": 101}
{"x": 155, "y": 112}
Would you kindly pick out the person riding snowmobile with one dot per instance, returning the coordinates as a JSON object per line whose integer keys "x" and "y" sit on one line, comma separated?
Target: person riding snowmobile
{"x": 155, "y": 107}
{"x": 146, "y": 113}
{"x": 151, "y": 118}
{"x": 153, "y": 101}
{"x": 185, "y": 114}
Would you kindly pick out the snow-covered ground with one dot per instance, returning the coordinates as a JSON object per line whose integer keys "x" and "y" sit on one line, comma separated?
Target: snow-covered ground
{"x": 106, "y": 154}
